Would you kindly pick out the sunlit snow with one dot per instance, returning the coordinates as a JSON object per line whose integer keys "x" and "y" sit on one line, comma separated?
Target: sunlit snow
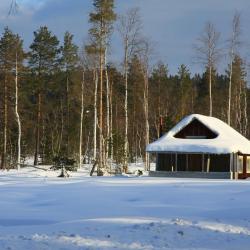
{"x": 40, "y": 211}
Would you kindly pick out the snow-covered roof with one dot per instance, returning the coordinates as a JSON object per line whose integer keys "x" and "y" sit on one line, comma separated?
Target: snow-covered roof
{"x": 227, "y": 141}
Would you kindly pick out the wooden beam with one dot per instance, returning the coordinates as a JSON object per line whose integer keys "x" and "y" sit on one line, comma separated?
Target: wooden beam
{"x": 176, "y": 162}
{"x": 157, "y": 162}
{"x": 243, "y": 154}
{"x": 233, "y": 166}
{"x": 208, "y": 163}
{"x": 236, "y": 166}
{"x": 186, "y": 162}
{"x": 202, "y": 163}
{"x": 245, "y": 166}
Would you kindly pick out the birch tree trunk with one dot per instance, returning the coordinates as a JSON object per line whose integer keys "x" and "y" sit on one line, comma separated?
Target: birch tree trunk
{"x": 111, "y": 125}
{"x": 5, "y": 124}
{"x": 210, "y": 92}
{"x": 230, "y": 93}
{"x": 107, "y": 110}
{"x": 95, "y": 115}
{"x": 245, "y": 113}
{"x": 100, "y": 169}
{"x": 81, "y": 120}
{"x": 126, "y": 106}
{"x": 146, "y": 119}
{"x": 129, "y": 29}
{"x": 234, "y": 43}
{"x": 208, "y": 54}
{"x": 18, "y": 119}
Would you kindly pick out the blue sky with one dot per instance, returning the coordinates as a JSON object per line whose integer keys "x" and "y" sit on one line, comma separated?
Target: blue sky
{"x": 172, "y": 25}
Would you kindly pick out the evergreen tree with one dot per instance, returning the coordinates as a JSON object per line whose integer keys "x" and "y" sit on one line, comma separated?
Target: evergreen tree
{"x": 184, "y": 91}
{"x": 43, "y": 62}
{"x": 238, "y": 95}
{"x": 11, "y": 56}
{"x": 69, "y": 62}
{"x": 159, "y": 93}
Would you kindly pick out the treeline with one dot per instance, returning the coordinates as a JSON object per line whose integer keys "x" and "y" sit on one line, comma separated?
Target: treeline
{"x": 59, "y": 100}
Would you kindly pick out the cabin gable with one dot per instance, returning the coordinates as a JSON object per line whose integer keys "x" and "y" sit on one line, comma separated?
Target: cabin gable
{"x": 195, "y": 130}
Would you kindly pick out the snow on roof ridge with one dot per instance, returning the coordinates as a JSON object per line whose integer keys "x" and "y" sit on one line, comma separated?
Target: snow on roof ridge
{"x": 228, "y": 140}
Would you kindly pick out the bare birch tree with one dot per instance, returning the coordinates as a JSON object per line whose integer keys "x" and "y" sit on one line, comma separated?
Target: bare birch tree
{"x": 234, "y": 43}
{"x": 208, "y": 54}
{"x": 108, "y": 104}
{"x": 92, "y": 62}
{"x": 95, "y": 115}
{"x": 81, "y": 118}
{"x": 13, "y": 7}
{"x": 17, "y": 116}
{"x": 129, "y": 29}
{"x": 144, "y": 54}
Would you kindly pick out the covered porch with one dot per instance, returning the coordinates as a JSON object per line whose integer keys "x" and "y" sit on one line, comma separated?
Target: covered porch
{"x": 201, "y": 165}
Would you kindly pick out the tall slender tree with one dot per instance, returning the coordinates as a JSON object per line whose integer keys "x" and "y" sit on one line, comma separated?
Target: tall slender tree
{"x": 18, "y": 66}
{"x": 81, "y": 117}
{"x": 129, "y": 29}
{"x": 208, "y": 54}
{"x": 234, "y": 43}
{"x": 144, "y": 55}
{"x": 92, "y": 58}
{"x": 102, "y": 25}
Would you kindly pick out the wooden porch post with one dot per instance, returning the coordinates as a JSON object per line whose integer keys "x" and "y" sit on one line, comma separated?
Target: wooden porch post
{"x": 244, "y": 166}
{"x": 157, "y": 162}
{"x": 186, "y": 162}
{"x": 208, "y": 163}
{"x": 236, "y": 166}
{"x": 202, "y": 163}
{"x": 176, "y": 158}
{"x": 231, "y": 166}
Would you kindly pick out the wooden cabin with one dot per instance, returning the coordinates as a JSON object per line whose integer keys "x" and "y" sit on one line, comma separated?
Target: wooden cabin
{"x": 203, "y": 147}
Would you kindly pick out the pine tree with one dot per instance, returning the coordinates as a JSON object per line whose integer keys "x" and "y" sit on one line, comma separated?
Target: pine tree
{"x": 159, "y": 93}
{"x": 43, "y": 62}
{"x": 184, "y": 91}
{"x": 69, "y": 62}
{"x": 238, "y": 95}
{"x": 11, "y": 57}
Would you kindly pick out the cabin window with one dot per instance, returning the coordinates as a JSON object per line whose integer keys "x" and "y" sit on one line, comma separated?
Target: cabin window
{"x": 240, "y": 164}
{"x": 248, "y": 164}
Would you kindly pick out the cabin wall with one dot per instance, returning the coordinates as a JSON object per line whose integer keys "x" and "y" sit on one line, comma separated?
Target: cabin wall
{"x": 193, "y": 162}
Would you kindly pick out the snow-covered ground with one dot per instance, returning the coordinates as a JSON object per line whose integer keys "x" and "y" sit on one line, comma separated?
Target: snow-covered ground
{"x": 40, "y": 211}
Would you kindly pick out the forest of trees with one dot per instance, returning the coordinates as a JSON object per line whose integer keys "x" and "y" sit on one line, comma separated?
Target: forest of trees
{"x": 58, "y": 99}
